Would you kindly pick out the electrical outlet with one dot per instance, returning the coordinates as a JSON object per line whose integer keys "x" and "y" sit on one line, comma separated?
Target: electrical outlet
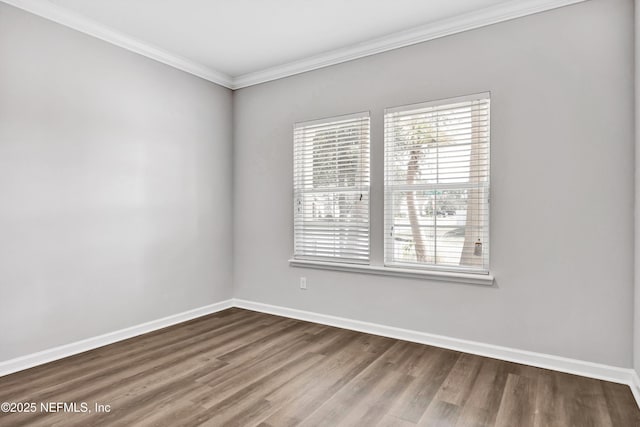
{"x": 303, "y": 283}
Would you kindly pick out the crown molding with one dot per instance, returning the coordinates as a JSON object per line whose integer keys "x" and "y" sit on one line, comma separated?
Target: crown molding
{"x": 88, "y": 26}
{"x": 433, "y": 30}
{"x": 423, "y": 33}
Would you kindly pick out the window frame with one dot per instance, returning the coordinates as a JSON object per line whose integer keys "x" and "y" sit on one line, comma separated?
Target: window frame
{"x": 328, "y": 259}
{"x": 388, "y": 195}
{"x": 427, "y": 272}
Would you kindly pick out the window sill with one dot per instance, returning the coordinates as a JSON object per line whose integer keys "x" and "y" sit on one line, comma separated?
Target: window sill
{"x": 445, "y": 276}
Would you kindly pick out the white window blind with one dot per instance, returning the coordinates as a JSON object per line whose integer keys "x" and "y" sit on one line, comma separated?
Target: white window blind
{"x": 437, "y": 185}
{"x": 331, "y": 189}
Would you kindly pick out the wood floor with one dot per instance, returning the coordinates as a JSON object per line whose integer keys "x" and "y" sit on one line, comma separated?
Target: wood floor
{"x": 243, "y": 368}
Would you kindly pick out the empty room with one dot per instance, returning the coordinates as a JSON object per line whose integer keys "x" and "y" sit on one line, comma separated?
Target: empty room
{"x": 320, "y": 213}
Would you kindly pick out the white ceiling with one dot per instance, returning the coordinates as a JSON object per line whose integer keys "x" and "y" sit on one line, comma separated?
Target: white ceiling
{"x": 235, "y": 39}
{"x": 243, "y": 36}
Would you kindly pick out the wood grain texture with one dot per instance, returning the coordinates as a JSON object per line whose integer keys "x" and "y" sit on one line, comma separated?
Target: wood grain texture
{"x": 242, "y": 368}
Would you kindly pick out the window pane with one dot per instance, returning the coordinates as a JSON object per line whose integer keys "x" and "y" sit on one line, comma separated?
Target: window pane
{"x": 334, "y": 223}
{"x": 331, "y": 189}
{"x": 432, "y": 226}
{"x": 437, "y": 185}
{"x": 413, "y": 227}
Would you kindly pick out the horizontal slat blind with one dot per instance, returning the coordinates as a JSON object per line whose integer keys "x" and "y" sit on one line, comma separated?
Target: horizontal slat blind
{"x": 331, "y": 189}
{"x": 437, "y": 185}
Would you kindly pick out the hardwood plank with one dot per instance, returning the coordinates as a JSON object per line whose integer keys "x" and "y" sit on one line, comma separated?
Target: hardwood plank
{"x": 227, "y": 410}
{"x": 375, "y": 407}
{"x": 391, "y": 421}
{"x": 517, "y": 404}
{"x": 431, "y": 371}
{"x": 342, "y": 403}
{"x": 310, "y": 392}
{"x": 588, "y": 404}
{"x": 481, "y": 407}
{"x": 350, "y": 396}
{"x": 550, "y": 411}
{"x": 440, "y": 414}
{"x": 621, "y": 404}
{"x": 457, "y": 385}
{"x": 243, "y": 376}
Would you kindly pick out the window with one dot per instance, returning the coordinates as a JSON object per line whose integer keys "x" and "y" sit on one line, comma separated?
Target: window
{"x": 436, "y": 184}
{"x": 331, "y": 189}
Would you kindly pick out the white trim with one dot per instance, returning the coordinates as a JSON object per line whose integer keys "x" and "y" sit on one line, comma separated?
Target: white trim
{"x": 413, "y": 273}
{"x": 68, "y": 18}
{"x": 451, "y": 103}
{"x": 445, "y": 27}
{"x": 46, "y": 356}
{"x": 341, "y": 119}
{"x": 634, "y": 384}
{"x": 540, "y": 360}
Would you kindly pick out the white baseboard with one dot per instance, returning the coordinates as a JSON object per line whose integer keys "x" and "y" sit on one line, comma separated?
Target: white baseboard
{"x": 35, "y": 359}
{"x": 541, "y": 360}
{"x": 635, "y": 386}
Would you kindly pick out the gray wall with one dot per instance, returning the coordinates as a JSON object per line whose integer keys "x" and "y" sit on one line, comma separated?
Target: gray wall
{"x": 636, "y": 323}
{"x": 562, "y": 183}
{"x": 115, "y": 176}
